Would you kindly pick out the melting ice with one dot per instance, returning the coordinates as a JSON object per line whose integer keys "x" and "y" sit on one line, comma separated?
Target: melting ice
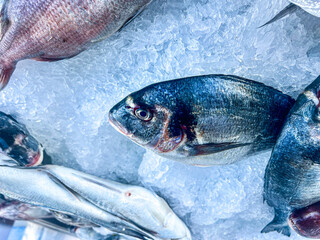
{"x": 65, "y": 104}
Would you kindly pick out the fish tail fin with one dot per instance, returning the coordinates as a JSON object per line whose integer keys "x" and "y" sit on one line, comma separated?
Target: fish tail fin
{"x": 279, "y": 224}
{"x": 5, "y": 74}
{"x": 285, "y": 230}
{"x": 314, "y": 86}
{"x": 286, "y": 11}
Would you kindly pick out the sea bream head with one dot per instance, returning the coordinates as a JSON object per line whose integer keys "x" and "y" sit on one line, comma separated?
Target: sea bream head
{"x": 17, "y": 143}
{"x": 153, "y": 118}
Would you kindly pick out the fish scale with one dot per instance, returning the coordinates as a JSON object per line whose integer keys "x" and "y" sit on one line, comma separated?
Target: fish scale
{"x": 57, "y": 29}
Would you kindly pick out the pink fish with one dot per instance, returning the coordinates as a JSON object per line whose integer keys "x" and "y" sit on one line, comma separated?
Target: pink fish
{"x": 51, "y": 30}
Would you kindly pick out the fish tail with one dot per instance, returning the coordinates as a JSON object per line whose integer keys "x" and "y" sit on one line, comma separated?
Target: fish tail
{"x": 314, "y": 86}
{"x": 286, "y": 11}
{"x": 279, "y": 224}
{"x": 5, "y": 74}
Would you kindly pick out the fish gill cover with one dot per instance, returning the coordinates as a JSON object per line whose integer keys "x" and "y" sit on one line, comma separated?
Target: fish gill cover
{"x": 65, "y": 104}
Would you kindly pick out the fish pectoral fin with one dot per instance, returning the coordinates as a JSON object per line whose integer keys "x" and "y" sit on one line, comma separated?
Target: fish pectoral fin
{"x": 106, "y": 34}
{"x": 130, "y": 19}
{"x": 286, "y": 11}
{"x": 209, "y": 148}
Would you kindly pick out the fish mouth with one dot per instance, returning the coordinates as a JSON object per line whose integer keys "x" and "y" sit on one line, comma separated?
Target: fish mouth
{"x": 116, "y": 125}
{"x": 36, "y": 158}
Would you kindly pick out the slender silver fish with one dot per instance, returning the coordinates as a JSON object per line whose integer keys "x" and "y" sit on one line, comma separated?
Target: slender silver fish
{"x": 126, "y": 209}
{"x": 292, "y": 176}
{"x": 142, "y": 207}
{"x": 51, "y": 30}
{"x": 204, "y": 120}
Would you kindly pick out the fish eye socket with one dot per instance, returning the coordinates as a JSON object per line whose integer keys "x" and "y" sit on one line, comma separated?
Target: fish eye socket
{"x": 143, "y": 114}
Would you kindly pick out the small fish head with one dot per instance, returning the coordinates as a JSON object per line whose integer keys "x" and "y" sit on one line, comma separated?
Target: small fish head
{"x": 154, "y": 214}
{"x": 17, "y": 143}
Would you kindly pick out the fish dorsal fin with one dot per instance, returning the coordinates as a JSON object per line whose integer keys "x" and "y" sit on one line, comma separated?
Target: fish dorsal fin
{"x": 4, "y": 19}
{"x": 286, "y": 11}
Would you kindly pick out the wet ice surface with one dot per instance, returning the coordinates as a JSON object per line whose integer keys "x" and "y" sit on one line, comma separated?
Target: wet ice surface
{"x": 65, "y": 104}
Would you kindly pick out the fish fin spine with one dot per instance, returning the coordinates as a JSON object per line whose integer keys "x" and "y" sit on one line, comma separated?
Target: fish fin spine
{"x": 283, "y": 13}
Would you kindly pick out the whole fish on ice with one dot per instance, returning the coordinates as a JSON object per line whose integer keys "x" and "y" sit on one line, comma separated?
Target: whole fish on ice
{"x": 204, "y": 120}
{"x": 51, "y": 30}
{"x": 292, "y": 176}
{"x": 126, "y": 209}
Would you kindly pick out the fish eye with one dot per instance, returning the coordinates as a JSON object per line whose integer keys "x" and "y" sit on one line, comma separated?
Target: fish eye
{"x": 143, "y": 114}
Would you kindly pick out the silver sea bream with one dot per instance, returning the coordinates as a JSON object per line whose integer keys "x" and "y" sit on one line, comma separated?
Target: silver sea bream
{"x": 292, "y": 176}
{"x": 51, "y": 30}
{"x": 203, "y": 120}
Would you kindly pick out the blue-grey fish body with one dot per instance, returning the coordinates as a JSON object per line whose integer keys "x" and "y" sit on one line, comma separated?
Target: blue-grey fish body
{"x": 292, "y": 176}
{"x": 204, "y": 120}
{"x": 51, "y": 30}
{"x": 131, "y": 203}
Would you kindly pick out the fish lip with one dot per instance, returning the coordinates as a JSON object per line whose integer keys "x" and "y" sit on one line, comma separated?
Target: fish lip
{"x": 36, "y": 158}
{"x": 116, "y": 125}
